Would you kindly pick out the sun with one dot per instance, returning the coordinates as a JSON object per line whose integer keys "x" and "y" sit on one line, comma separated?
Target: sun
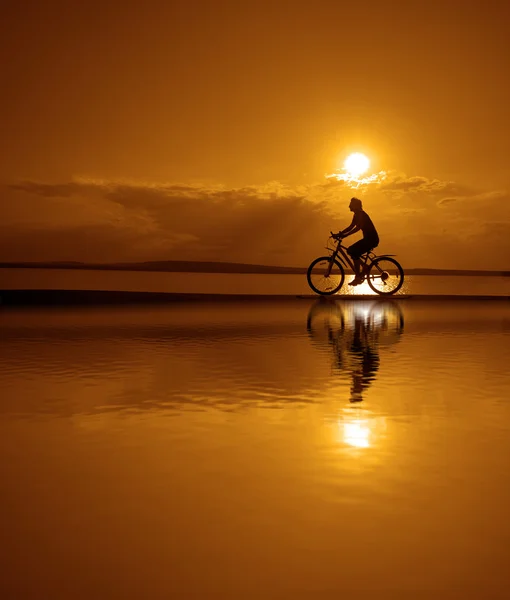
{"x": 356, "y": 164}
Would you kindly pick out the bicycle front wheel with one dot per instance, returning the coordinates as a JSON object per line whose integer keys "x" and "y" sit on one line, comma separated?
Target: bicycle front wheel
{"x": 386, "y": 276}
{"x": 325, "y": 276}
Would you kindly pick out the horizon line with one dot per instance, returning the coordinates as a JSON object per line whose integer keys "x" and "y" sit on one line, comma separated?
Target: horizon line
{"x": 182, "y": 264}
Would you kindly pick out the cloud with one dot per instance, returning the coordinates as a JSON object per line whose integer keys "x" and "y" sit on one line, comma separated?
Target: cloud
{"x": 495, "y": 195}
{"x": 427, "y": 222}
{"x": 48, "y": 190}
{"x": 158, "y": 222}
{"x": 400, "y": 186}
{"x": 446, "y": 201}
{"x": 398, "y": 183}
{"x": 499, "y": 229}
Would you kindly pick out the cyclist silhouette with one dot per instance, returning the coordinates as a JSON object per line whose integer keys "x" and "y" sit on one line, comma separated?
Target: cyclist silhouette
{"x": 360, "y": 222}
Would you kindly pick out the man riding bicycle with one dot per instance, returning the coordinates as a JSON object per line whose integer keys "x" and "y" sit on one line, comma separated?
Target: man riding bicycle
{"x": 360, "y": 222}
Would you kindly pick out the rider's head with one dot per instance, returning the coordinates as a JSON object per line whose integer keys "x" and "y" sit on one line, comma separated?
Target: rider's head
{"x": 355, "y": 204}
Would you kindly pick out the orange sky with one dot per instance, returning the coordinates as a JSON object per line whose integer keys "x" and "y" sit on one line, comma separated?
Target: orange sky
{"x": 163, "y": 130}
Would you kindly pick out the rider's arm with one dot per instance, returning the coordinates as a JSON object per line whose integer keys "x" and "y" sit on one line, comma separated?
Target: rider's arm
{"x": 353, "y": 228}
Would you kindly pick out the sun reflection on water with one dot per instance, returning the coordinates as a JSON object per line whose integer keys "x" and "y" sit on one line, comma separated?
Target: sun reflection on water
{"x": 356, "y": 433}
{"x": 360, "y": 290}
{"x": 360, "y": 428}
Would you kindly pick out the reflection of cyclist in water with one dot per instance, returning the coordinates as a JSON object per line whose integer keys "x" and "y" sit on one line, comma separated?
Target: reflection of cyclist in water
{"x": 355, "y": 337}
{"x": 366, "y": 361}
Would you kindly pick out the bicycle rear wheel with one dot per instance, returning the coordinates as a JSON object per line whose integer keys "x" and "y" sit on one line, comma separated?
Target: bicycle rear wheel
{"x": 386, "y": 276}
{"x": 320, "y": 280}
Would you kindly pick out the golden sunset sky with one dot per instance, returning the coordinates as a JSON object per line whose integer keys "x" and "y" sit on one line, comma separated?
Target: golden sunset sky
{"x": 207, "y": 130}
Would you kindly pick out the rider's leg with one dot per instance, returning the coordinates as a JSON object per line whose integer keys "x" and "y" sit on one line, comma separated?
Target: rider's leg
{"x": 355, "y": 252}
{"x": 365, "y": 267}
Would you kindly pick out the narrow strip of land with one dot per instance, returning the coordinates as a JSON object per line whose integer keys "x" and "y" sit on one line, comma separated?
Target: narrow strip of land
{"x": 37, "y": 297}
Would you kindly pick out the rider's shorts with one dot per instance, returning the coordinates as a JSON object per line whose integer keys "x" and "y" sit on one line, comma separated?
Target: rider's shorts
{"x": 361, "y": 246}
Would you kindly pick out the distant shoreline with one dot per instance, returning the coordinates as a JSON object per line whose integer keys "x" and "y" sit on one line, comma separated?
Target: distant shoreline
{"x": 221, "y": 267}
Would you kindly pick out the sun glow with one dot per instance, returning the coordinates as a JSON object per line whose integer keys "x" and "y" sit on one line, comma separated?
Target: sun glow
{"x": 356, "y": 164}
{"x": 355, "y": 172}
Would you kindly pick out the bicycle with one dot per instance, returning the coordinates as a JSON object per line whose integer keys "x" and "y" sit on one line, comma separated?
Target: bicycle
{"x": 326, "y": 274}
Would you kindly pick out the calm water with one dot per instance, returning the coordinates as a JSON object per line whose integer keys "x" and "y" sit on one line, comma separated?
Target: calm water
{"x": 214, "y": 283}
{"x": 288, "y": 450}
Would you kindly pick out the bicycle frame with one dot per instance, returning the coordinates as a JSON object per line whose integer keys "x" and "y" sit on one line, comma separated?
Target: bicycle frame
{"x": 340, "y": 252}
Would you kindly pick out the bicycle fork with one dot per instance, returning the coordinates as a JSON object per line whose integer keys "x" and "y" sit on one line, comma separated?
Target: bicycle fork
{"x": 330, "y": 265}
